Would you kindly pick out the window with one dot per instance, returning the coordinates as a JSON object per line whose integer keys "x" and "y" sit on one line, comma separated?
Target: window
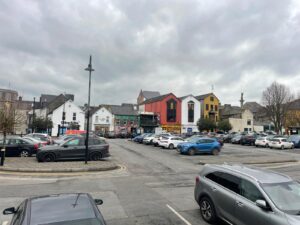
{"x": 212, "y": 98}
{"x": 97, "y": 119}
{"x": 118, "y": 122}
{"x": 211, "y": 107}
{"x": 63, "y": 115}
{"x": 207, "y": 107}
{"x": 216, "y": 118}
{"x": 191, "y": 111}
{"x": 74, "y": 142}
{"x": 125, "y": 122}
{"x": 74, "y": 116}
{"x": 226, "y": 180}
{"x": 250, "y": 191}
{"x": 98, "y": 141}
{"x": 216, "y": 108}
{"x": 171, "y": 110}
{"x": 107, "y": 119}
{"x": 248, "y": 122}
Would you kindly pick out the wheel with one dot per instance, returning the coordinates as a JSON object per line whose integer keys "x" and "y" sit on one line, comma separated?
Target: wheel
{"x": 171, "y": 146}
{"x": 151, "y": 142}
{"x": 207, "y": 210}
{"x": 24, "y": 153}
{"x": 49, "y": 158}
{"x": 271, "y": 147}
{"x": 256, "y": 146}
{"x": 292, "y": 146}
{"x": 155, "y": 144}
{"x": 96, "y": 156}
{"x": 267, "y": 146}
{"x": 215, "y": 152}
{"x": 282, "y": 147}
{"x": 192, "y": 151}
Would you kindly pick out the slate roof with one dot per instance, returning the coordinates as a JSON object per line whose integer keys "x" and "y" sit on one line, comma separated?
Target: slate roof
{"x": 47, "y": 98}
{"x": 229, "y": 110}
{"x": 254, "y": 107}
{"x": 58, "y": 101}
{"x": 183, "y": 97}
{"x": 123, "y": 110}
{"x": 150, "y": 94}
{"x": 156, "y": 99}
{"x": 295, "y": 104}
{"x": 202, "y": 97}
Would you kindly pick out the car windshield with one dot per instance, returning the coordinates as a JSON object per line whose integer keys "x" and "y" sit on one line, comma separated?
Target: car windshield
{"x": 286, "y": 196}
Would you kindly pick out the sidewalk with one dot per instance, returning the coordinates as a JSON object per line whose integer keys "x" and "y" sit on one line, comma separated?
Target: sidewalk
{"x": 30, "y": 164}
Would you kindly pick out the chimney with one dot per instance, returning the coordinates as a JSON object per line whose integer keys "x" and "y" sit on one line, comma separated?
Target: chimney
{"x": 20, "y": 98}
{"x": 242, "y": 100}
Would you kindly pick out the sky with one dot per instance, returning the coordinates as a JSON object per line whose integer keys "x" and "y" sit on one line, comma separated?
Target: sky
{"x": 179, "y": 46}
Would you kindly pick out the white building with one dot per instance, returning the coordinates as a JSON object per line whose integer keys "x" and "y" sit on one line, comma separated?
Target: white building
{"x": 71, "y": 113}
{"x": 101, "y": 120}
{"x": 190, "y": 114}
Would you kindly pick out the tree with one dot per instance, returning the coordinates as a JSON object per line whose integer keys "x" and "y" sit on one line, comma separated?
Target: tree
{"x": 41, "y": 124}
{"x": 74, "y": 126}
{"x": 224, "y": 125}
{"x": 276, "y": 99}
{"x": 206, "y": 124}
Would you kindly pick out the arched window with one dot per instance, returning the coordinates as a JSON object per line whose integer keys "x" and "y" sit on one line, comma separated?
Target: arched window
{"x": 171, "y": 110}
{"x": 191, "y": 105}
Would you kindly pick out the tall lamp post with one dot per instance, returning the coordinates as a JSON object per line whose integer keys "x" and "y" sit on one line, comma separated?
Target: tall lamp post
{"x": 90, "y": 69}
{"x": 33, "y": 114}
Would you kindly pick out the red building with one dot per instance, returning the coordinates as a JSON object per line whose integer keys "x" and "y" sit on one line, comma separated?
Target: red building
{"x": 168, "y": 109}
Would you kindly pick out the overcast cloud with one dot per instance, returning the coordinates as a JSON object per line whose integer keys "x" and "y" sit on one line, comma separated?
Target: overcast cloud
{"x": 179, "y": 46}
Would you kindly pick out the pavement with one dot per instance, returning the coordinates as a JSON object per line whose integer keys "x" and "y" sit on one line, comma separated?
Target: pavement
{"x": 155, "y": 186}
{"x": 30, "y": 165}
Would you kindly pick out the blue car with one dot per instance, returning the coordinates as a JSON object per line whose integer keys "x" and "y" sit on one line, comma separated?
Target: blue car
{"x": 295, "y": 139}
{"x": 140, "y": 138}
{"x": 200, "y": 145}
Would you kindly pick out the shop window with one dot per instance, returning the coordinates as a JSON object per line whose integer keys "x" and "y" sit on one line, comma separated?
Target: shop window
{"x": 191, "y": 106}
{"x": 171, "y": 110}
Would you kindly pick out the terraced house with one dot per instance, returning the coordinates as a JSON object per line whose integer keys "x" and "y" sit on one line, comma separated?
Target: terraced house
{"x": 209, "y": 106}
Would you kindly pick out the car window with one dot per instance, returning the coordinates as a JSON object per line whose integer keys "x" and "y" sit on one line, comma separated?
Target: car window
{"x": 98, "y": 141}
{"x": 74, "y": 142}
{"x": 283, "y": 140}
{"x": 12, "y": 142}
{"x": 209, "y": 141}
{"x": 226, "y": 180}
{"x": 200, "y": 141}
{"x": 250, "y": 191}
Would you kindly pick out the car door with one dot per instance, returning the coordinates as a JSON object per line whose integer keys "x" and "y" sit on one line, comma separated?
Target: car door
{"x": 200, "y": 145}
{"x": 12, "y": 148}
{"x": 246, "y": 210}
{"x": 71, "y": 149}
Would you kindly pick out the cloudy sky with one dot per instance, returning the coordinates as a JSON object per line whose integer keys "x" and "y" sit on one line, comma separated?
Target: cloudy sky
{"x": 179, "y": 46}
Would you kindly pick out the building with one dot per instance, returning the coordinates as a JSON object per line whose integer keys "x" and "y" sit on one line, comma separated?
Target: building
{"x": 292, "y": 122}
{"x": 144, "y": 95}
{"x": 167, "y": 108}
{"x": 148, "y": 121}
{"x": 209, "y": 106}
{"x": 22, "y": 112}
{"x": 101, "y": 119}
{"x": 190, "y": 114}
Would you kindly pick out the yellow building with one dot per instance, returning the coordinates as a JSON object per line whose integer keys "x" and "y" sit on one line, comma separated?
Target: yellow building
{"x": 209, "y": 106}
{"x": 292, "y": 120}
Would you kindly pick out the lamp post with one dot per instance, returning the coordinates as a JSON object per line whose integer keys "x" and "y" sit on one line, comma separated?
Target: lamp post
{"x": 90, "y": 69}
{"x": 33, "y": 114}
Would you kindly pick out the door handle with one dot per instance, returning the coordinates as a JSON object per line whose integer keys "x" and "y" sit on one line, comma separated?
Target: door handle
{"x": 214, "y": 189}
{"x": 240, "y": 204}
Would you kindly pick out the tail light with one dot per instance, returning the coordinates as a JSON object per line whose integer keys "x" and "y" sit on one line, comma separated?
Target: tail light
{"x": 197, "y": 179}
{"x": 36, "y": 146}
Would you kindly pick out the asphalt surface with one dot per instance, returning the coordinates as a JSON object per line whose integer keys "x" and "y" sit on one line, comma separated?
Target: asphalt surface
{"x": 155, "y": 185}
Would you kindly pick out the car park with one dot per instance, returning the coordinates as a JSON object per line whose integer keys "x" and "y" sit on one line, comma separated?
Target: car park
{"x": 157, "y": 138}
{"x": 245, "y": 195}
{"x": 64, "y": 138}
{"x": 140, "y": 138}
{"x": 74, "y": 149}
{"x": 281, "y": 143}
{"x": 262, "y": 142}
{"x": 149, "y": 139}
{"x": 248, "y": 140}
{"x": 170, "y": 142}
{"x": 295, "y": 139}
{"x": 16, "y": 146}
{"x": 57, "y": 209}
{"x": 200, "y": 145}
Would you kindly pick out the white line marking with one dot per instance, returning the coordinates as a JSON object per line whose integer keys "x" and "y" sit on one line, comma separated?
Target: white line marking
{"x": 5, "y": 223}
{"x": 180, "y": 216}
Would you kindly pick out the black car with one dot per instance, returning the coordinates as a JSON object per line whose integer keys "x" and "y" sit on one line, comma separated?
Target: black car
{"x": 16, "y": 146}
{"x": 61, "y": 209}
{"x": 248, "y": 140}
{"x": 74, "y": 149}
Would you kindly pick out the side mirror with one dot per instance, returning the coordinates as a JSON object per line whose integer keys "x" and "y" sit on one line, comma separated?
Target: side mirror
{"x": 98, "y": 201}
{"x": 8, "y": 211}
{"x": 262, "y": 204}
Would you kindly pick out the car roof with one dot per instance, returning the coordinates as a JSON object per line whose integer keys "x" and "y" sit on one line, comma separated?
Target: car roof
{"x": 255, "y": 173}
{"x": 63, "y": 207}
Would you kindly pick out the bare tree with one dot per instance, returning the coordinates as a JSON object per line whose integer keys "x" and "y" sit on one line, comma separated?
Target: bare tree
{"x": 276, "y": 100}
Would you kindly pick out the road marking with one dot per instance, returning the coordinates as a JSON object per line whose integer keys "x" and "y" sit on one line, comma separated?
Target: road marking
{"x": 180, "y": 216}
{"x": 5, "y": 223}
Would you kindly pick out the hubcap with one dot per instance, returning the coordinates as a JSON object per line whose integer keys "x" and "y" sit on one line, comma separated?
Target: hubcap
{"x": 206, "y": 210}
{"x": 24, "y": 154}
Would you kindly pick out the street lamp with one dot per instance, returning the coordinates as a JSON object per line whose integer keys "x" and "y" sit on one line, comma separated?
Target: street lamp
{"x": 90, "y": 69}
{"x": 33, "y": 114}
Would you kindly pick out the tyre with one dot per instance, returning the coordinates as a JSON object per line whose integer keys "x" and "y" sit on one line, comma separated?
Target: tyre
{"x": 155, "y": 144}
{"x": 215, "y": 151}
{"x": 267, "y": 146}
{"x": 292, "y": 146}
{"x": 282, "y": 147}
{"x": 207, "y": 210}
{"x": 151, "y": 142}
{"x": 96, "y": 156}
{"x": 192, "y": 151}
{"x": 271, "y": 147}
{"x": 24, "y": 153}
{"x": 171, "y": 146}
{"x": 256, "y": 146}
{"x": 49, "y": 158}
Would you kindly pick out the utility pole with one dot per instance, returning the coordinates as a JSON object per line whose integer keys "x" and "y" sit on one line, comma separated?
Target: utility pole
{"x": 90, "y": 69}
{"x": 33, "y": 115}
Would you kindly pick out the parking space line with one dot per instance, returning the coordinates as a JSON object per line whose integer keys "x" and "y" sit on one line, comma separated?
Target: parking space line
{"x": 180, "y": 216}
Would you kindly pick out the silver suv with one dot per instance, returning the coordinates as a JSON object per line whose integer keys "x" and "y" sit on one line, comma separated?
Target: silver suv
{"x": 245, "y": 195}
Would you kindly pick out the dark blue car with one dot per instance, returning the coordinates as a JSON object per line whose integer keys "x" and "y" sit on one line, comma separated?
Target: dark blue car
{"x": 140, "y": 138}
{"x": 200, "y": 145}
{"x": 295, "y": 139}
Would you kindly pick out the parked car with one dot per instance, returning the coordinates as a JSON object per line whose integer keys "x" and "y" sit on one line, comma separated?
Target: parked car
{"x": 42, "y": 136}
{"x": 140, "y": 138}
{"x": 236, "y": 139}
{"x": 262, "y": 141}
{"x": 245, "y": 195}
{"x": 295, "y": 139}
{"x": 248, "y": 139}
{"x": 227, "y": 138}
{"x": 16, "y": 146}
{"x": 158, "y": 137}
{"x": 200, "y": 145}
{"x": 110, "y": 134}
{"x": 149, "y": 139}
{"x": 74, "y": 149}
{"x": 281, "y": 143}
{"x": 35, "y": 141}
{"x": 220, "y": 140}
{"x": 58, "y": 209}
{"x": 170, "y": 142}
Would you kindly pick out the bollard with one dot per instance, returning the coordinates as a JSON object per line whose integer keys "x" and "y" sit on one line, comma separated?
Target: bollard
{"x": 2, "y": 155}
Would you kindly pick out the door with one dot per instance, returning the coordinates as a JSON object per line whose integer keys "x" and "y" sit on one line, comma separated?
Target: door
{"x": 12, "y": 148}
{"x": 246, "y": 211}
{"x": 202, "y": 145}
{"x": 72, "y": 149}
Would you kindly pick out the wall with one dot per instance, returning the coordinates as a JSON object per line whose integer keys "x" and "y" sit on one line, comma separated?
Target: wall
{"x": 70, "y": 108}
{"x": 184, "y": 114}
{"x": 105, "y": 119}
{"x": 241, "y": 124}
